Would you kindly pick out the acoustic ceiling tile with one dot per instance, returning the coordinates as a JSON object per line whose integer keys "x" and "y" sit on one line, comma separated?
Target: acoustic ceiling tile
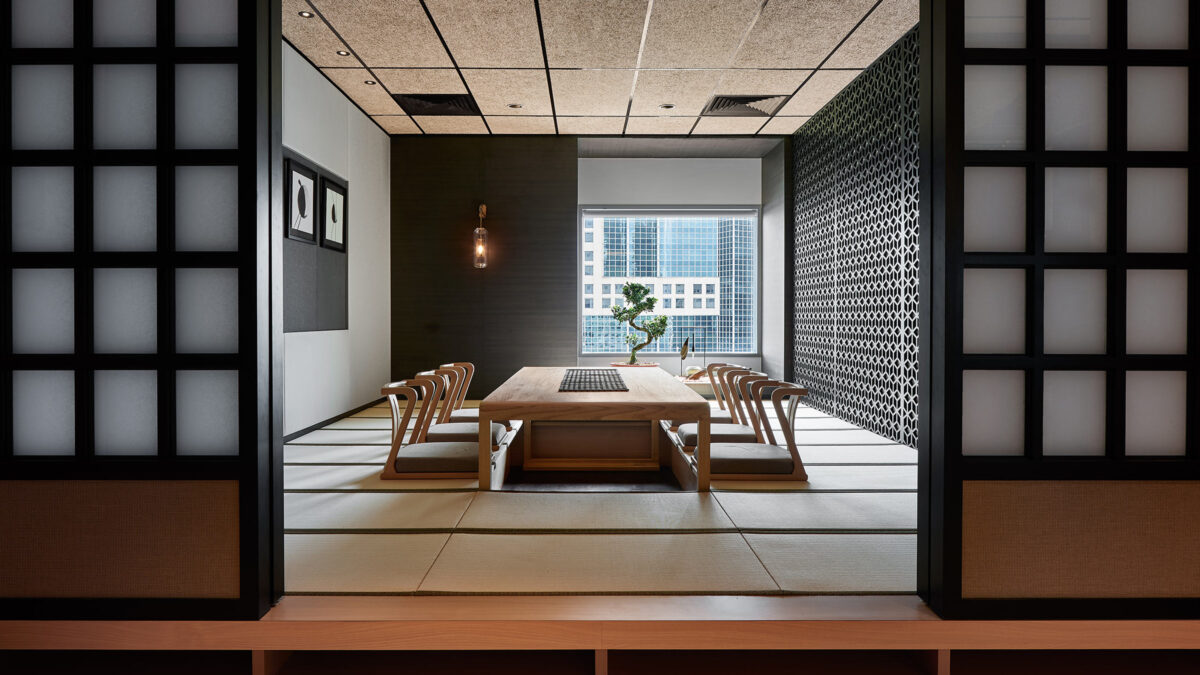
{"x": 742, "y": 126}
{"x": 372, "y": 27}
{"x": 490, "y": 33}
{"x": 659, "y": 125}
{"x": 890, "y": 20}
{"x": 823, "y": 86}
{"x": 687, "y": 90}
{"x": 495, "y": 89}
{"x": 397, "y": 124}
{"x": 312, "y": 36}
{"x": 782, "y": 126}
{"x": 584, "y": 126}
{"x": 521, "y": 125}
{"x": 590, "y": 34}
{"x": 591, "y": 92}
{"x": 799, "y": 33}
{"x": 696, "y": 33}
{"x": 372, "y": 98}
{"x": 747, "y": 82}
{"x": 421, "y": 80}
{"x": 453, "y": 124}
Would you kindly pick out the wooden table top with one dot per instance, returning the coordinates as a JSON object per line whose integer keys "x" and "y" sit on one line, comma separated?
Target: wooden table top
{"x": 653, "y": 394}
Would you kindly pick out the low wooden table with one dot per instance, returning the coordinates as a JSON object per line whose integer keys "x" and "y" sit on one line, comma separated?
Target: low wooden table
{"x": 654, "y": 394}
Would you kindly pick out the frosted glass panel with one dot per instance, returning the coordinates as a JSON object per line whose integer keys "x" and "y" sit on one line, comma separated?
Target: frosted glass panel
{"x": 994, "y": 311}
{"x": 1156, "y": 312}
{"x": 994, "y": 107}
{"x": 993, "y": 412}
{"x": 1158, "y": 108}
{"x": 1076, "y": 209}
{"x": 43, "y": 108}
{"x": 212, "y": 23}
{"x": 1075, "y": 311}
{"x": 1156, "y": 210}
{"x": 43, "y": 311}
{"x": 1073, "y": 412}
{"x": 206, "y": 302}
{"x": 126, "y": 311}
{"x": 206, "y": 208}
{"x": 123, "y": 112}
{"x": 206, "y": 105}
{"x": 1158, "y": 24}
{"x": 206, "y": 419}
{"x": 43, "y": 208}
{"x": 126, "y": 412}
{"x": 1076, "y": 107}
{"x": 1155, "y": 412}
{"x": 125, "y": 208}
{"x": 43, "y": 412}
{"x": 1076, "y": 24}
{"x": 43, "y": 23}
{"x": 994, "y": 208}
{"x": 994, "y": 23}
{"x": 124, "y": 23}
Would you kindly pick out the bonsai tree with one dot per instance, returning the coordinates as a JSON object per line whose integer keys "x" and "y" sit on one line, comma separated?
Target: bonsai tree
{"x": 636, "y": 302}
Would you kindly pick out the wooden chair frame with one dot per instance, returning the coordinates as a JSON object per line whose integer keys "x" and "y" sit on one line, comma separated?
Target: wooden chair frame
{"x": 788, "y": 421}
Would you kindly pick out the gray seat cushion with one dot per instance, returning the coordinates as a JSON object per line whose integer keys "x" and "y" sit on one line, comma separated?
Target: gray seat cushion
{"x": 715, "y": 417}
{"x": 749, "y": 458}
{"x": 462, "y": 431}
{"x": 717, "y": 433}
{"x": 438, "y": 458}
{"x": 471, "y": 415}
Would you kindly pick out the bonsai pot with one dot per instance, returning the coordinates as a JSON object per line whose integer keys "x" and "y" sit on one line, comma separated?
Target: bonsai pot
{"x": 639, "y": 364}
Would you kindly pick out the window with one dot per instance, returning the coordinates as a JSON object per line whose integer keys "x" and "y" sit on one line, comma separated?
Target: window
{"x": 607, "y": 303}
{"x": 712, "y": 253}
{"x": 606, "y": 288}
{"x": 587, "y": 303}
{"x": 587, "y": 289}
{"x": 588, "y": 255}
{"x": 587, "y": 270}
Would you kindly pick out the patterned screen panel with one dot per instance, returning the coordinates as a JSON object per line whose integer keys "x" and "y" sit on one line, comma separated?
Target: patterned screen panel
{"x": 856, "y": 299}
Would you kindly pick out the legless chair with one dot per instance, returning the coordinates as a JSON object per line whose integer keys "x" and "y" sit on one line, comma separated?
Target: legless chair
{"x": 733, "y": 432}
{"x": 722, "y": 417}
{"x": 765, "y": 459}
{"x": 445, "y": 431}
{"x": 418, "y": 459}
{"x": 457, "y": 412}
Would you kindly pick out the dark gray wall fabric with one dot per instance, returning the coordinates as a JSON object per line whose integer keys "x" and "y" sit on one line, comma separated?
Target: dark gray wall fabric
{"x": 314, "y": 288}
{"x": 521, "y": 309}
{"x": 855, "y": 228}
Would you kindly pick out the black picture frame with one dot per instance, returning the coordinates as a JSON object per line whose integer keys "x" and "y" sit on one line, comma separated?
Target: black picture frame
{"x": 301, "y": 202}
{"x": 335, "y": 207}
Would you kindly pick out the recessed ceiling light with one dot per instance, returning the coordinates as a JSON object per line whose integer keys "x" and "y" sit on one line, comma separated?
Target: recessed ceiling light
{"x": 368, "y": 81}
{"x": 343, "y": 52}
{"x": 307, "y": 15}
{"x": 666, "y": 106}
{"x": 515, "y": 106}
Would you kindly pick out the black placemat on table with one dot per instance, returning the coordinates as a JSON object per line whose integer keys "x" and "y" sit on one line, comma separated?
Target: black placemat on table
{"x": 592, "y": 379}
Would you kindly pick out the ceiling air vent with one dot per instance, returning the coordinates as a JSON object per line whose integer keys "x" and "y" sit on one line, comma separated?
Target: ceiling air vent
{"x": 743, "y": 106}
{"x": 437, "y": 104}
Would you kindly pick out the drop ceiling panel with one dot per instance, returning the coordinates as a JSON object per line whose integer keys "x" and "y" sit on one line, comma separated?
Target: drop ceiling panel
{"x": 451, "y": 125}
{"x": 696, "y": 33}
{"x": 521, "y": 125}
{"x": 660, "y": 125}
{"x": 312, "y": 37}
{"x": 747, "y": 82}
{"x": 591, "y": 92}
{"x": 397, "y": 124}
{"x": 590, "y": 125}
{"x": 729, "y": 125}
{"x": 495, "y": 89}
{"x": 490, "y": 33}
{"x": 885, "y": 25}
{"x": 372, "y": 98}
{"x": 590, "y": 34}
{"x": 783, "y": 126}
{"x": 421, "y": 80}
{"x": 820, "y": 88}
{"x": 386, "y": 32}
{"x": 799, "y": 33}
{"x": 688, "y": 90}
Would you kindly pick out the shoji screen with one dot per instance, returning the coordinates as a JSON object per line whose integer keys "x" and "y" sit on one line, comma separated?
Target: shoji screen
{"x": 1071, "y": 386}
{"x": 131, "y": 322}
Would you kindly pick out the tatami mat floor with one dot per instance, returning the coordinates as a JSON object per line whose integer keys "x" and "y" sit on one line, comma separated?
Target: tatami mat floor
{"x": 851, "y": 528}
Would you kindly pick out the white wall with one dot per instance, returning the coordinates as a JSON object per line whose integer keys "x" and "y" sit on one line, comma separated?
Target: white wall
{"x": 772, "y": 300}
{"x": 670, "y": 182}
{"x": 326, "y": 373}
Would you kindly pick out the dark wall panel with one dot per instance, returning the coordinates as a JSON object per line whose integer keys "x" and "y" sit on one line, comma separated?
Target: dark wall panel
{"x": 314, "y": 288}
{"x": 521, "y": 309}
{"x": 855, "y": 225}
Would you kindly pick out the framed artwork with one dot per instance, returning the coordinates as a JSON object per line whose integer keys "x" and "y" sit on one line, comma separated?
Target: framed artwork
{"x": 333, "y": 214}
{"x": 302, "y": 202}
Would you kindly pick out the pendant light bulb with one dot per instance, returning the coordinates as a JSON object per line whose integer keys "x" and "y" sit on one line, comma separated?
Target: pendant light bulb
{"x": 480, "y": 236}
